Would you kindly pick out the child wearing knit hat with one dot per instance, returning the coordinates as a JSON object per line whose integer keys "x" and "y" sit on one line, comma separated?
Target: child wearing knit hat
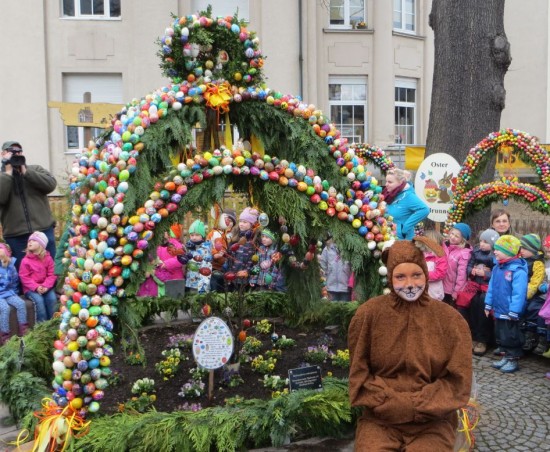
{"x": 471, "y": 299}
{"x": 219, "y": 238}
{"x": 531, "y": 251}
{"x": 242, "y": 247}
{"x": 38, "y": 277}
{"x": 198, "y": 259}
{"x": 506, "y": 300}
{"x": 265, "y": 274}
{"x": 9, "y": 286}
{"x": 458, "y": 253}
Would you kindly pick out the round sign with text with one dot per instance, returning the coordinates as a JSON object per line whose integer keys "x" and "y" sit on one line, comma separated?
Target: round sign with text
{"x": 435, "y": 183}
{"x": 212, "y": 344}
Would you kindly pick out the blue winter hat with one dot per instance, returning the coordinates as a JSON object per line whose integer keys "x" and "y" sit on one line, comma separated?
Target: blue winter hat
{"x": 464, "y": 230}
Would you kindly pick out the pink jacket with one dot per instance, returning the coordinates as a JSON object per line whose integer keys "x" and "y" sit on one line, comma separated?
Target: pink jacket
{"x": 172, "y": 268}
{"x": 35, "y": 272}
{"x": 457, "y": 271}
{"x": 437, "y": 270}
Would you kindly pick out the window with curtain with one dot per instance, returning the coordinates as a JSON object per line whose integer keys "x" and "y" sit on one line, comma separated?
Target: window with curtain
{"x": 223, "y": 7}
{"x": 348, "y": 106}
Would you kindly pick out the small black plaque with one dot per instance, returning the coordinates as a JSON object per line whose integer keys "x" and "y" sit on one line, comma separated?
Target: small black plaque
{"x": 305, "y": 378}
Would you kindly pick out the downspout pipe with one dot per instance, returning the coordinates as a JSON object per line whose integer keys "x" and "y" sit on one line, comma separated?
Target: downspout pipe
{"x": 300, "y": 55}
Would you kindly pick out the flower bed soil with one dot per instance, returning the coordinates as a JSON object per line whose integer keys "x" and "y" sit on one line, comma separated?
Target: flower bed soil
{"x": 155, "y": 339}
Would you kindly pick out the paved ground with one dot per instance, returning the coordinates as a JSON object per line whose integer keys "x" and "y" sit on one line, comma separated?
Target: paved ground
{"x": 515, "y": 412}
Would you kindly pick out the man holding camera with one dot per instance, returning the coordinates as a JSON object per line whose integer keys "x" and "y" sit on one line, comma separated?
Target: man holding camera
{"x": 24, "y": 205}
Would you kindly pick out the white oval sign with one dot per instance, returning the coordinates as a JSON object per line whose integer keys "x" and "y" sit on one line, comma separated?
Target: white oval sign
{"x": 435, "y": 183}
{"x": 213, "y": 343}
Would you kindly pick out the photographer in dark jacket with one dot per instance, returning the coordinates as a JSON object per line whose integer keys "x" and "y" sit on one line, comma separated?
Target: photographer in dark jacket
{"x": 24, "y": 205}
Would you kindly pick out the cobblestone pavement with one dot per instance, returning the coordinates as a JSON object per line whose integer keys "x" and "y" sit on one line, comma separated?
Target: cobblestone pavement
{"x": 515, "y": 408}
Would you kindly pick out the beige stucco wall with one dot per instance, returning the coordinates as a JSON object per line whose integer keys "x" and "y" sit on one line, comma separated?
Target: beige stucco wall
{"x": 39, "y": 46}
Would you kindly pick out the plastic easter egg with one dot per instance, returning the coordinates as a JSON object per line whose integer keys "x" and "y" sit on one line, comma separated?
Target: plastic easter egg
{"x": 93, "y": 407}
{"x": 58, "y": 366}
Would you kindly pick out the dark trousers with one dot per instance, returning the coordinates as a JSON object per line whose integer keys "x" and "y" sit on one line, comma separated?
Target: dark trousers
{"x": 509, "y": 337}
{"x": 19, "y": 244}
{"x": 481, "y": 326}
{"x": 217, "y": 283}
{"x": 339, "y": 296}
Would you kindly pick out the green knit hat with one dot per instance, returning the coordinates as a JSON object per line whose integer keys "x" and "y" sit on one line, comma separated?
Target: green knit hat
{"x": 197, "y": 227}
{"x": 269, "y": 234}
{"x": 531, "y": 242}
{"x": 508, "y": 245}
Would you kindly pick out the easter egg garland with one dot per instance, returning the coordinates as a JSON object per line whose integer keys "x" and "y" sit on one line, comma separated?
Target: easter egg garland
{"x": 469, "y": 196}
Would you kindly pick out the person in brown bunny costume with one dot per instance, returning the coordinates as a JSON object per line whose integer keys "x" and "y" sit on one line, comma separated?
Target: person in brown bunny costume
{"x": 411, "y": 362}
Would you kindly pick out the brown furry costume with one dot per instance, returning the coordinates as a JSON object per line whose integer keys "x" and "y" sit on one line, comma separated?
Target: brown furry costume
{"x": 411, "y": 367}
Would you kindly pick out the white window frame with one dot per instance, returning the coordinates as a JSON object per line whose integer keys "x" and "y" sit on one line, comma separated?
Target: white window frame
{"x": 350, "y": 80}
{"x": 80, "y": 16}
{"x": 347, "y": 15}
{"x": 401, "y": 27}
{"x": 407, "y": 83}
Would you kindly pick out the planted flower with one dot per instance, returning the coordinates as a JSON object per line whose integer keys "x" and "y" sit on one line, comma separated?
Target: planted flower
{"x": 263, "y": 326}
{"x": 263, "y": 366}
{"x": 341, "y": 359}
{"x": 275, "y": 382}
{"x": 317, "y": 354}
{"x": 143, "y": 385}
{"x": 285, "y": 342}
{"x": 251, "y": 345}
{"x": 169, "y": 365}
{"x": 181, "y": 341}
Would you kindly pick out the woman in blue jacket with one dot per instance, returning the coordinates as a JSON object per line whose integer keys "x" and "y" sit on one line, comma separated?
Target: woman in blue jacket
{"x": 406, "y": 208}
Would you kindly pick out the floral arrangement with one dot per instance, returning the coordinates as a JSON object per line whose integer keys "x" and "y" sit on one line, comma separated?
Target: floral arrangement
{"x": 169, "y": 365}
{"x": 251, "y": 345}
{"x": 181, "y": 341}
{"x": 275, "y": 382}
{"x": 285, "y": 342}
{"x": 192, "y": 389}
{"x": 277, "y": 394}
{"x": 143, "y": 385}
{"x": 135, "y": 359}
{"x": 274, "y": 353}
{"x": 193, "y": 407}
{"x": 263, "y": 326}
{"x": 263, "y": 366}
{"x": 317, "y": 354}
{"x": 341, "y": 359}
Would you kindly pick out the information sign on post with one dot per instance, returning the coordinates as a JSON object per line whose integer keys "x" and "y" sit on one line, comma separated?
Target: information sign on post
{"x": 435, "y": 183}
{"x": 212, "y": 347}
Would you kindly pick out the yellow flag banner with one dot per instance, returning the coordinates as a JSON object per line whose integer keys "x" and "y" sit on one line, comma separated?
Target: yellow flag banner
{"x": 414, "y": 156}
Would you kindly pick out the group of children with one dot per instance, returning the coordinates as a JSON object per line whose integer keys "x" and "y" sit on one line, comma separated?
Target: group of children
{"x": 499, "y": 286}
{"x": 234, "y": 253}
{"x": 33, "y": 278}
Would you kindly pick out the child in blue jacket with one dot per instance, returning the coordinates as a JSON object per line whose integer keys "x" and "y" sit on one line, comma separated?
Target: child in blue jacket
{"x": 507, "y": 298}
{"x": 9, "y": 287}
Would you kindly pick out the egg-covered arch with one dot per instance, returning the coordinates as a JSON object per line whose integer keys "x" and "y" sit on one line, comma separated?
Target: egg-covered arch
{"x": 125, "y": 191}
{"x": 470, "y": 196}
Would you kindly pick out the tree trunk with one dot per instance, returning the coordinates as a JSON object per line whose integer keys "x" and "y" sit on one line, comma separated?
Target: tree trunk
{"x": 472, "y": 55}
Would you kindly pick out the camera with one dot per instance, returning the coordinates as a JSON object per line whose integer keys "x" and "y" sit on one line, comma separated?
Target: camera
{"x": 17, "y": 160}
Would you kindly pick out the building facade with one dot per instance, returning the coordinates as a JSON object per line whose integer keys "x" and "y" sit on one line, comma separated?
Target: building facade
{"x": 69, "y": 64}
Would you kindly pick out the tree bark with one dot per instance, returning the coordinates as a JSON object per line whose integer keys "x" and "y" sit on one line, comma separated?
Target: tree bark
{"x": 472, "y": 55}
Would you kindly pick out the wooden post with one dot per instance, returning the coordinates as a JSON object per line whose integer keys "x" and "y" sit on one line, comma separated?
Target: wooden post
{"x": 210, "y": 384}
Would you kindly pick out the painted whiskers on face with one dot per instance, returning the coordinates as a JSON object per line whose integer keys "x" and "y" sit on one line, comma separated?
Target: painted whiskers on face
{"x": 409, "y": 293}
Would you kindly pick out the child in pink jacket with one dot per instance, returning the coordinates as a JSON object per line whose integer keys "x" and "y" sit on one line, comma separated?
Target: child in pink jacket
{"x": 38, "y": 278}
{"x": 458, "y": 253}
{"x": 167, "y": 267}
{"x": 436, "y": 260}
